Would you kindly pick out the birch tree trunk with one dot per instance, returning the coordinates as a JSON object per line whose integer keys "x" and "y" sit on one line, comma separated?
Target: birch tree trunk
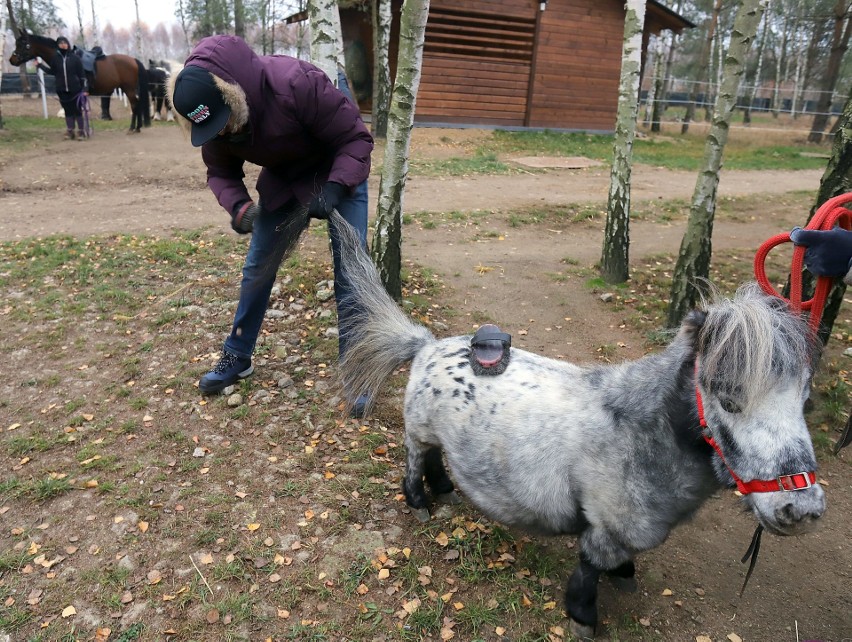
{"x": 81, "y": 37}
{"x": 382, "y": 19}
{"x": 779, "y": 60}
{"x": 703, "y": 76}
{"x": 695, "y": 249}
{"x": 836, "y": 180}
{"x": 752, "y": 90}
{"x": 325, "y": 36}
{"x": 96, "y": 37}
{"x": 656, "y": 84}
{"x": 239, "y": 19}
{"x": 839, "y": 45}
{"x": 387, "y": 240}
{"x": 2, "y": 48}
{"x": 617, "y": 233}
{"x": 138, "y": 33}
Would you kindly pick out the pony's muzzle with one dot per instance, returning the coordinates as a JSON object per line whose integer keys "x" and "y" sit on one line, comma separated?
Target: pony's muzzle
{"x": 790, "y": 513}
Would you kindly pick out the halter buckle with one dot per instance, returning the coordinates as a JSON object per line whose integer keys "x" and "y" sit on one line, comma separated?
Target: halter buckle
{"x": 792, "y": 482}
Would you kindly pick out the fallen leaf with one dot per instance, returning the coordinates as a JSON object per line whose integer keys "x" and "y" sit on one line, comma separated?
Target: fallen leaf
{"x": 548, "y": 606}
{"x": 142, "y": 526}
{"x": 703, "y": 638}
{"x": 126, "y": 597}
{"x": 667, "y": 592}
{"x": 733, "y": 637}
{"x": 212, "y": 616}
{"x": 558, "y": 631}
{"x": 447, "y": 634}
{"x": 442, "y": 539}
{"x": 206, "y": 558}
{"x": 274, "y": 578}
{"x": 499, "y": 630}
{"x": 458, "y": 606}
{"x": 283, "y": 613}
{"x": 411, "y": 606}
{"x": 362, "y": 589}
{"x": 68, "y": 611}
{"x": 644, "y": 621}
{"x": 102, "y": 635}
{"x": 384, "y": 574}
{"x": 154, "y": 577}
{"x": 252, "y": 527}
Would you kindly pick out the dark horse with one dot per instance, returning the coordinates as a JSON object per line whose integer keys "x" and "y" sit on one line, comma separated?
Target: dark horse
{"x": 112, "y": 72}
{"x": 158, "y": 78}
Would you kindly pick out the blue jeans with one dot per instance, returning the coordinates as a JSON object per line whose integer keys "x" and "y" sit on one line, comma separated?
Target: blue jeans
{"x": 262, "y": 262}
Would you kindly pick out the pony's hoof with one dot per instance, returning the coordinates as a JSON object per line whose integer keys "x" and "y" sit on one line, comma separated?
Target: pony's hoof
{"x": 422, "y": 514}
{"x": 134, "y": 131}
{"x": 624, "y": 584}
{"x": 449, "y": 498}
{"x": 581, "y": 631}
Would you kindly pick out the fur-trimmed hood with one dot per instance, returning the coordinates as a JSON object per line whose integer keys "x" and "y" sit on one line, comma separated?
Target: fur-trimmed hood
{"x": 303, "y": 130}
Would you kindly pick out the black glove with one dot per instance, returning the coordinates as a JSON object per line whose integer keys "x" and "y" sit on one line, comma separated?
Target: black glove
{"x": 829, "y": 252}
{"x": 329, "y": 197}
{"x": 242, "y": 218}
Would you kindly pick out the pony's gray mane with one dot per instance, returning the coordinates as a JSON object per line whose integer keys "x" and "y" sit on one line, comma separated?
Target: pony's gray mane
{"x": 748, "y": 341}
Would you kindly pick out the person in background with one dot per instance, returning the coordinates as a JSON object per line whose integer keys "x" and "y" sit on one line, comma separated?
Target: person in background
{"x": 828, "y": 253}
{"x": 70, "y": 79}
{"x": 286, "y": 116}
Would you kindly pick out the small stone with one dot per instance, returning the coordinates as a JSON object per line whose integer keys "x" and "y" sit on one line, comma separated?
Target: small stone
{"x": 198, "y": 452}
{"x": 324, "y": 294}
{"x": 699, "y": 592}
{"x": 235, "y": 400}
{"x": 606, "y": 297}
{"x": 331, "y": 333}
{"x": 847, "y": 352}
{"x": 285, "y": 382}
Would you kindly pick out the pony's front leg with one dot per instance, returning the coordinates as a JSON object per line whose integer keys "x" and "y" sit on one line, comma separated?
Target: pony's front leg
{"x": 624, "y": 577}
{"x": 581, "y": 599}
{"x": 412, "y": 483}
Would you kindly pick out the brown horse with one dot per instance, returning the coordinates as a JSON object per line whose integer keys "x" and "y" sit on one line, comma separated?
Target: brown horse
{"x": 112, "y": 72}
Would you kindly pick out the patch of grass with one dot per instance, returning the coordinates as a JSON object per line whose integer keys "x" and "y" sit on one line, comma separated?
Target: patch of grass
{"x": 13, "y": 618}
{"x": 482, "y": 162}
{"x": 48, "y": 488}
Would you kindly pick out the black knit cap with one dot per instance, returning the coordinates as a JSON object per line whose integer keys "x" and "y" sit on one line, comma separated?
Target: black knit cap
{"x": 198, "y": 99}
{"x": 62, "y": 39}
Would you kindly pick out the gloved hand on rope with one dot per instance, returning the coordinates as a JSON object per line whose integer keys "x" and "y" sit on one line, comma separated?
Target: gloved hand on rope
{"x": 828, "y": 253}
{"x": 329, "y": 197}
{"x": 242, "y": 218}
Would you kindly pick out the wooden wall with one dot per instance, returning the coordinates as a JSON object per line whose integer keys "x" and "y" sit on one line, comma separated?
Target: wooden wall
{"x": 505, "y": 63}
{"x": 578, "y": 65}
{"x": 476, "y": 63}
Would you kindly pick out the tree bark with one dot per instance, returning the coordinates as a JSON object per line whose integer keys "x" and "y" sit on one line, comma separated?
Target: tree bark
{"x": 387, "y": 240}
{"x": 614, "y": 257}
{"x": 96, "y": 37}
{"x": 758, "y": 69}
{"x": 779, "y": 64}
{"x": 239, "y": 19}
{"x": 695, "y": 250}
{"x": 325, "y": 36}
{"x": 836, "y": 180}
{"x": 704, "y": 68}
{"x": 381, "y": 67}
{"x": 839, "y": 45}
{"x": 81, "y": 37}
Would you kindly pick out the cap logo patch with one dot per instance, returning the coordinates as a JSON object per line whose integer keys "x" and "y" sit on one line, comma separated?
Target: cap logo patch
{"x": 199, "y": 114}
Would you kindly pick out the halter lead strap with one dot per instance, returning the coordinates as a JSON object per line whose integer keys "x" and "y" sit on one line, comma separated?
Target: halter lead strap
{"x": 793, "y": 481}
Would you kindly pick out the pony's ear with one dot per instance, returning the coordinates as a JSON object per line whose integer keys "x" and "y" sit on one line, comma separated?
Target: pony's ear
{"x": 691, "y": 325}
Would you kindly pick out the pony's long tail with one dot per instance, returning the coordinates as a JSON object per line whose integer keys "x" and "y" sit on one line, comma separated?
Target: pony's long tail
{"x": 143, "y": 103}
{"x": 380, "y": 337}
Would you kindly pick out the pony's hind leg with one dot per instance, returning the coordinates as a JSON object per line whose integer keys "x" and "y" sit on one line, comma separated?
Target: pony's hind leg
{"x": 624, "y": 577}
{"x": 581, "y": 599}
{"x": 412, "y": 483}
{"x": 439, "y": 481}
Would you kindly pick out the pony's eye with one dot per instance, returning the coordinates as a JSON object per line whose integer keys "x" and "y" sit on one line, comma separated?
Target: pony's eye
{"x": 730, "y": 406}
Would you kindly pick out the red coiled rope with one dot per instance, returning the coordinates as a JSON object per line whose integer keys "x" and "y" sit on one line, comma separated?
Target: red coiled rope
{"x": 829, "y": 214}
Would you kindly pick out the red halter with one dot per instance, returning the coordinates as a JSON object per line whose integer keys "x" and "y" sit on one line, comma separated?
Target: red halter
{"x": 794, "y": 481}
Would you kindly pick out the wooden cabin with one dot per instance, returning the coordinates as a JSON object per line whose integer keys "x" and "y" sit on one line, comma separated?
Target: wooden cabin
{"x": 511, "y": 63}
